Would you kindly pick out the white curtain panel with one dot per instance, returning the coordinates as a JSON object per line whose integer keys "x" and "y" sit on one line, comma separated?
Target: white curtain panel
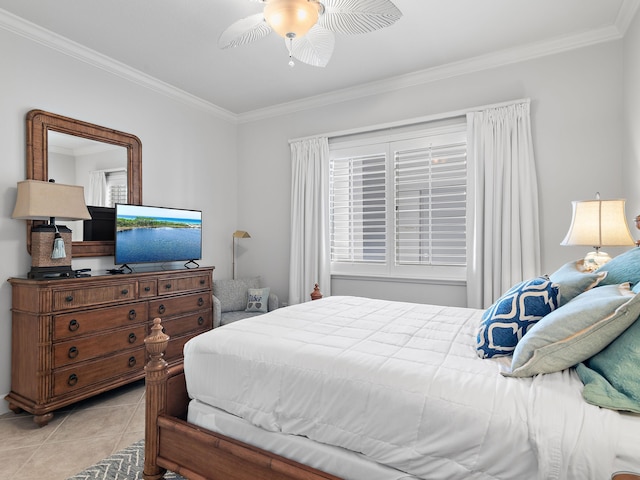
{"x": 503, "y": 242}
{"x": 309, "y": 259}
{"x": 97, "y": 191}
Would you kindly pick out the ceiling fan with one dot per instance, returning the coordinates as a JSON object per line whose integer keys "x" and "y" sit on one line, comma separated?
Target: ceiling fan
{"x": 308, "y": 26}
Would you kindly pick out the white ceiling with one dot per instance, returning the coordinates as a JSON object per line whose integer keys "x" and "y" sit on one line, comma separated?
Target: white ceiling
{"x": 175, "y": 41}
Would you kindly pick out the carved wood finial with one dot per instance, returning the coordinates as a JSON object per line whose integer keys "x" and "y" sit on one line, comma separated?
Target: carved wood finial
{"x": 316, "y": 294}
{"x": 156, "y": 343}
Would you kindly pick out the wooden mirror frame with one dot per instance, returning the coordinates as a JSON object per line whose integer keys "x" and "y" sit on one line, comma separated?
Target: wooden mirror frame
{"x": 39, "y": 123}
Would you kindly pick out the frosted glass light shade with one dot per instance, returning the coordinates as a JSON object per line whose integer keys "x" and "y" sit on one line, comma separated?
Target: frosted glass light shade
{"x": 598, "y": 223}
{"x": 291, "y": 18}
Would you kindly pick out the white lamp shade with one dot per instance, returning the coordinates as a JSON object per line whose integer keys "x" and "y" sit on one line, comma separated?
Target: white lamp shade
{"x": 598, "y": 223}
{"x": 39, "y": 200}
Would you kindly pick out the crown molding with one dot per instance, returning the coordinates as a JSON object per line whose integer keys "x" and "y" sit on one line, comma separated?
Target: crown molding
{"x": 627, "y": 12}
{"x": 514, "y": 55}
{"x": 442, "y": 72}
{"x": 52, "y": 40}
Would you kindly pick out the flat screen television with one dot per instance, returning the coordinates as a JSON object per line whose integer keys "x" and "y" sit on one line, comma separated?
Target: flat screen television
{"x": 146, "y": 234}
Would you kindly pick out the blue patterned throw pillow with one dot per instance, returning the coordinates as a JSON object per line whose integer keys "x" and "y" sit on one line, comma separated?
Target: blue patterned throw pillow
{"x": 506, "y": 321}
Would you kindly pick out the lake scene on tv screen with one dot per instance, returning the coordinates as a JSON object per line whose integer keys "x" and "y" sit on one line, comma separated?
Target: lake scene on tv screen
{"x": 154, "y": 234}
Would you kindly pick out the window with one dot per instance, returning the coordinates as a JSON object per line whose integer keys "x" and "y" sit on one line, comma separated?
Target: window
{"x": 116, "y": 187}
{"x": 398, "y": 205}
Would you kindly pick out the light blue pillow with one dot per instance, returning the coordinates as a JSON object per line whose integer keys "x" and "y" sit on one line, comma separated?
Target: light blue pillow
{"x": 258, "y": 300}
{"x": 576, "y": 331}
{"x": 612, "y": 377}
{"x": 572, "y": 280}
{"x": 622, "y": 268}
{"x": 512, "y": 315}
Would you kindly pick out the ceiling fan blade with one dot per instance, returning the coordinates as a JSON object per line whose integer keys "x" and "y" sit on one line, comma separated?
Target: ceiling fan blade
{"x": 315, "y": 48}
{"x": 358, "y": 16}
{"x": 244, "y": 31}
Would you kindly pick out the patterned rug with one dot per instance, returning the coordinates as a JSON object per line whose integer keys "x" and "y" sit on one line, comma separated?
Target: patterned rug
{"x": 126, "y": 464}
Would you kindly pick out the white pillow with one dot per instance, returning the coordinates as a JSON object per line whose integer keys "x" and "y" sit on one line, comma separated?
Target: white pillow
{"x": 576, "y": 331}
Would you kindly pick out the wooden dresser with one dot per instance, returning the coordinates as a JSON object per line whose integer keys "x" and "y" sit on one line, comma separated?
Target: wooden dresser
{"x": 74, "y": 338}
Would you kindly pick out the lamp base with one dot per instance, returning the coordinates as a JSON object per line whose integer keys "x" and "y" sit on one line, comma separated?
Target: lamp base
{"x": 595, "y": 260}
{"x": 39, "y": 273}
{"x": 42, "y": 239}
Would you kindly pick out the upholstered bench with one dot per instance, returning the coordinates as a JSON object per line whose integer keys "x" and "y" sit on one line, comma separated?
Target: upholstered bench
{"x": 231, "y": 300}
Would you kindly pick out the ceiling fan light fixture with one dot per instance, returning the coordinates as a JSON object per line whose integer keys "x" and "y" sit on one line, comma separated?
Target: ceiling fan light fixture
{"x": 291, "y": 18}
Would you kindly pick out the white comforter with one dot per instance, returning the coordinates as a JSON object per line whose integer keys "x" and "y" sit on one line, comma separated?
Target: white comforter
{"x": 402, "y": 384}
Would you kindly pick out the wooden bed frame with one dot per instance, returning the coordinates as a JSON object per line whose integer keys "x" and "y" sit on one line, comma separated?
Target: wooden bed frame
{"x": 171, "y": 443}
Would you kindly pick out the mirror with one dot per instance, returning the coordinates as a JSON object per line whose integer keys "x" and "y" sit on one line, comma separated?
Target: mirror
{"x": 101, "y": 168}
{"x": 43, "y": 130}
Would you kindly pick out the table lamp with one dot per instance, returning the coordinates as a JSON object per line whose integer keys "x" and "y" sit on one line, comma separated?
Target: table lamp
{"x": 598, "y": 223}
{"x": 50, "y": 243}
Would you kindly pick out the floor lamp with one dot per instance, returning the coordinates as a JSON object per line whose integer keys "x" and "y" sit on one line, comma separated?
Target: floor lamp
{"x": 237, "y": 234}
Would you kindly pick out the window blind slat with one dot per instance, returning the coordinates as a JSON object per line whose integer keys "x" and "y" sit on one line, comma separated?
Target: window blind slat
{"x": 426, "y": 203}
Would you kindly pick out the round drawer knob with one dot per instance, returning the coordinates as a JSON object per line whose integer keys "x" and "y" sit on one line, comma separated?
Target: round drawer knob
{"x": 73, "y": 352}
{"x": 202, "y": 282}
{"x": 132, "y": 314}
{"x": 168, "y": 286}
{"x": 200, "y": 320}
{"x": 132, "y": 338}
{"x": 72, "y": 380}
{"x": 161, "y": 308}
{"x": 200, "y": 301}
{"x": 74, "y": 325}
{"x": 68, "y": 298}
{"x": 147, "y": 289}
{"x": 132, "y": 361}
{"x": 124, "y": 291}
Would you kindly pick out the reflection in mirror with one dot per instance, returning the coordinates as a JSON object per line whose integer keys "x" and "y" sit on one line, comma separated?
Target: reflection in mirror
{"x": 101, "y": 168}
{"x": 42, "y": 127}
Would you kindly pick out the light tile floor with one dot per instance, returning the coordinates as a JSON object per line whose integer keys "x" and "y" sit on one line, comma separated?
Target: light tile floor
{"x": 77, "y": 437}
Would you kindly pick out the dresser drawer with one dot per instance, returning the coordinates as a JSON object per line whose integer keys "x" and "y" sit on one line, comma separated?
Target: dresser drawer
{"x": 147, "y": 288}
{"x": 194, "y": 322}
{"x": 89, "y": 373}
{"x": 74, "y": 324}
{"x": 175, "y": 306}
{"x": 90, "y": 296}
{"x": 177, "y": 284}
{"x": 87, "y": 348}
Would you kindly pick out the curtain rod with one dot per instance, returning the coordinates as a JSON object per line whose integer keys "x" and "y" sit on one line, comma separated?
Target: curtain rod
{"x": 413, "y": 121}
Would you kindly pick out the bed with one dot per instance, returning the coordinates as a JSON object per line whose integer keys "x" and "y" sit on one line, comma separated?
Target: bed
{"x": 365, "y": 389}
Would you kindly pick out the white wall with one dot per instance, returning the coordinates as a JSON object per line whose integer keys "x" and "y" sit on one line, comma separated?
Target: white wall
{"x": 240, "y": 175}
{"x": 631, "y": 123}
{"x": 188, "y": 154}
{"x": 577, "y": 129}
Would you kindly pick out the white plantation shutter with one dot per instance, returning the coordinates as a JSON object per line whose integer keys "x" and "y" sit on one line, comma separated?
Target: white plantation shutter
{"x": 430, "y": 205}
{"x": 357, "y": 208}
{"x": 398, "y": 207}
{"x": 116, "y": 187}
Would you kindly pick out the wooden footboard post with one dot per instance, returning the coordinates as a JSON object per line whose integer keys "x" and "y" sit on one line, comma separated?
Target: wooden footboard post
{"x": 156, "y": 398}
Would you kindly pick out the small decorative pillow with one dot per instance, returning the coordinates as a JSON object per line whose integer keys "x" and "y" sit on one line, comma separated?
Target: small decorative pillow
{"x": 258, "y": 300}
{"x": 512, "y": 315}
{"x": 572, "y": 280}
{"x": 612, "y": 377}
{"x": 576, "y": 332}
{"x": 622, "y": 268}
